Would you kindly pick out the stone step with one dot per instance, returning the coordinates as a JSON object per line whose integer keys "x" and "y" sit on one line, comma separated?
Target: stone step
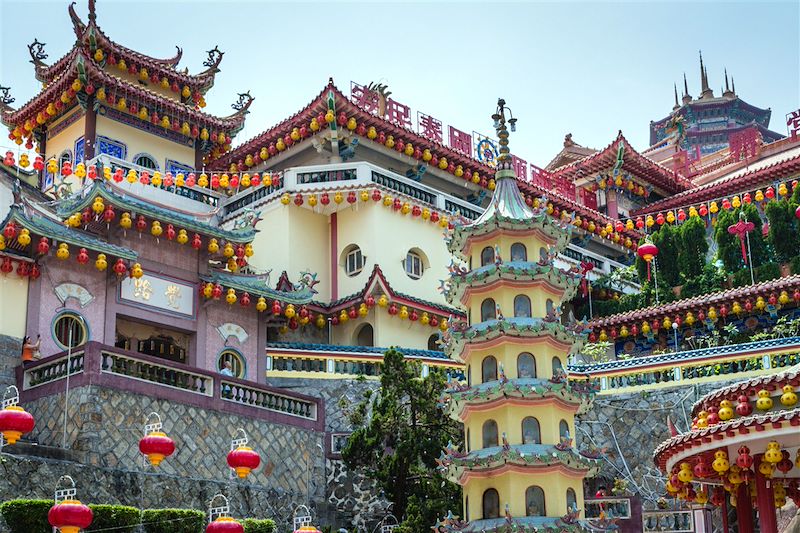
{"x": 25, "y": 448}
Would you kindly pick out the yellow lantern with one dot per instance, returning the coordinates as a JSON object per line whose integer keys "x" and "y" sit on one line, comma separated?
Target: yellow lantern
{"x": 63, "y": 251}
{"x": 290, "y": 311}
{"x": 156, "y": 230}
{"x": 285, "y": 199}
{"x": 156, "y": 179}
{"x": 459, "y": 171}
{"x": 202, "y": 181}
{"x": 131, "y": 176}
{"x": 425, "y": 318}
{"x": 389, "y": 141}
{"x": 362, "y": 310}
{"x": 227, "y": 250}
{"x": 230, "y": 297}
{"x": 125, "y": 221}
{"x": 183, "y": 237}
{"x": 80, "y": 170}
{"x": 101, "y": 263}
{"x": 261, "y": 304}
{"x": 213, "y": 246}
{"x": 443, "y": 324}
{"x": 320, "y": 321}
{"x": 343, "y": 317}
{"x": 645, "y": 327}
{"x": 351, "y": 124}
{"x": 280, "y": 145}
{"x": 24, "y": 237}
{"x": 383, "y": 301}
{"x": 338, "y": 197}
{"x": 248, "y": 250}
{"x": 443, "y": 163}
{"x": 403, "y": 312}
{"x": 136, "y": 271}
{"x": 224, "y": 181}
{"x": 427, "y": 155}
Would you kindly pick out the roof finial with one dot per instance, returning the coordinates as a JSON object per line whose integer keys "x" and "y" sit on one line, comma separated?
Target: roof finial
{"x": 705, "y": 90}
{"x": 726, "y": 81}
{"x": 686, "y": 96}
{"x": 675, "y": 87}
{"x": 92, "y": 13}
{"x": 499, "y": 117}
{"x": 733, "y": 86}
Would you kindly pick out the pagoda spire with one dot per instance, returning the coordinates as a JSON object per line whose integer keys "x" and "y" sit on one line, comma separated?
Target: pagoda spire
{"x": 686, "y": 96}
{"x": 501, "y": 127}
{"x": 728, "y": 92}
{"x": 677, "y": 105}
{"x": 92, "y": 11}
{"x": 705, "y": 90}
{"x": 733, "y": 86}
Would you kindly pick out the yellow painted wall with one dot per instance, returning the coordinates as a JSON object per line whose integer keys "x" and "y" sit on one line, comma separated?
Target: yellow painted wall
{"x": 394, "y": 331}
{"x": 511, "y": 490}
{"x": 294, "y": 239}
{"x": 504, "y": 297}
{"x": 139, "y": 141}
{"x": 385, "y": 236}
{"x": 506, "y": 354}
{"x": 532, "y": 243}
{"x": 509, "y": 420}
{"x": 65, "y": 140}
{"x": 14, "y": 295}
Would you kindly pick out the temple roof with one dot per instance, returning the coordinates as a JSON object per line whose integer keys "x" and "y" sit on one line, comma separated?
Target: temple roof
{"x": 632, "y": 161}
{"x": 371, "y": 351}
{"x": 257, "y": 285}
{"x": 571, "y": 153}
{"x": 127, "y": 201}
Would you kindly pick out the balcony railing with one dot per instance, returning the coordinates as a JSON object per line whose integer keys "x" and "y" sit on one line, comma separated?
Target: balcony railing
{"x": 705, "y": 365}
{"x": 619, "y": 508}
{"x": 668, "y": 521}
{"x": 95, "y": 364}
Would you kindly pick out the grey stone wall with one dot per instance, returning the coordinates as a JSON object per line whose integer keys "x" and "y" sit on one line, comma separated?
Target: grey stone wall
{"x": 631, "y": 426}
{"x": 10, "y": 357}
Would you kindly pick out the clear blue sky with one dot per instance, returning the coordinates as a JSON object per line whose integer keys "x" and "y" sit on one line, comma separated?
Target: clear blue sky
{"x": 587, "y": 68}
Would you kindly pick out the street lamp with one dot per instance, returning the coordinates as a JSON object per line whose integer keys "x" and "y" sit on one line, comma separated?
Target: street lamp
{"x": 675, "y": 331}
{"x": 500, "y": 123}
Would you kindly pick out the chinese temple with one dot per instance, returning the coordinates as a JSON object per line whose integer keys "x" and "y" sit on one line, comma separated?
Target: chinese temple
{"x": 709, "y": 123}
{"x": 256, "y": 283}
{"x": 519, "y": 468}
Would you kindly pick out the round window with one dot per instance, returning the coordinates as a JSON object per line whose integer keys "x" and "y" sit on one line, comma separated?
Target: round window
{"x": 231, "y": 363}
{"x": 69, "y": 330}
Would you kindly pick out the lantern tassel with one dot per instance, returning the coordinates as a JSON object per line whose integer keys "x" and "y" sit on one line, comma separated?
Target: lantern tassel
{"x": 744, "y": 253}
{"x": 648, "y": 270}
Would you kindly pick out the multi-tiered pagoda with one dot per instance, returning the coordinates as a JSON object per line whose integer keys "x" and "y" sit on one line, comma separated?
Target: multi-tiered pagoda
{"x": 519, "y": 470}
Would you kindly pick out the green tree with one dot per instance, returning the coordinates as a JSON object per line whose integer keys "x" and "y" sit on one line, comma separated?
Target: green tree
{"x": 729, "y": 249}
{"x": 693, "y": 249}
{"x": 401, "y": 431}
{"x": 667, "y": 240}
{"x": 783, "y": 229}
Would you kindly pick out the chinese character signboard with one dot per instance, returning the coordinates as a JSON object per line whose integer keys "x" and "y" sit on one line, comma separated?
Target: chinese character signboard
{"x": 160, "y": 294}
{"x": 793, "y": 123}
{"x": 461, "y": 141}
{"x": 429, "y": 127}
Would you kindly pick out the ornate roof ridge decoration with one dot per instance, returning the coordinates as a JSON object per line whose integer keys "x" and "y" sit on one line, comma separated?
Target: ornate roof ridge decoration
{"x": 772, "y": 382}
{"x": 701, "y": 301}
{"x": 731, "y": 185}
{"x": 378, "y": 279}
{"x": 460, "y": 334}
{"x": 579, "y": 393}
{"x": 84, "y": 198}
{"x": 258, "y": 285}
{"x": 39, "y": 224}
{"x": 91, "y": 35}
{"x": 705, "y": 435}
{"x": 87, "y": 71}
{"x": 455, "y": 462}
{"x": 632, "y": 161}
{"x": 371, "y": 351}
{"x": 526, "y": 271}
{"x": 344, "y": 104}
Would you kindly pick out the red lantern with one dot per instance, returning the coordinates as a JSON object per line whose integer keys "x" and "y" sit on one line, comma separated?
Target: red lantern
{"x": 397, "y": 204}
{"x": 118, "y": 175}
{"x": 38, "y": 163}
{"x": 156, "y": 446}
{"x": 434, "y": 322}
{"x": 370, "y": 301}
{"x": 702, "y": 469}
{"x": 10, "y": 231}
{"x": 393, "y": 309}
{"x": 743, "y": 408}
{"x": 718, "y": 496}
{"x": 723, "y": 310}
{"x": 681, "y": 215}
{"x": 726, "y": 204}
{"x": 797, "y": 212}
{"x": 44, "y": 246}
{"x": 197, "y": 243}
{"x": 351, "y": 197}
{"x": 109, "y": 214}
{"x": 416, "y": 211}
{"x": 276, "y": 308}
{"x": 303, "y": 313}
{"x": 6, "y": 266}
{"x": 70, "y": 516}
{"x": 15, "y": 422}
{"x": 119, "y": 268}
{"x": 244, "y": 301}
{"x": 22, "y": 269}
{"x": 243, "y": 460}
{"x": 744, "y": 459}
{"x": 224, "y": 524}
{"x": 216, "y": 292}
{"x": 414, "y": 316}
{"x": 35, "y": 272}
{"x": 325, "y": 199}
{"x": 785, "y": 464}
{"x": 660, "y": 219}
{"x": 352, "y": 313}
{"x": 747, "y": 198}
{"x": 770, "y": 192}
{"x": 83, "y": 256}
{"x": 796, "y": 296}
{"x": 713, "y": 416}
{"x": 648, "y": 252}
{"x": 376, "y": 195}
{"x": 170, "y": 232}
{"x": 141, "y": 223}
{"x": 434, "y": 217}
{"x": 298, "y": 199}
{"x": 293, "y": 323}
{"x": 639, "y": 223}
{"x": 702, "y": 210}
{"x": 773, "y": 299}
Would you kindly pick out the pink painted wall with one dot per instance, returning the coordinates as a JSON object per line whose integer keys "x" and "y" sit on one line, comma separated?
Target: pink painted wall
{"x": 218, "y": 313}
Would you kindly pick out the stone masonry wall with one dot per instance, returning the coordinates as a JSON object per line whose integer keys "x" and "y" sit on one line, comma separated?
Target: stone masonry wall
{"x": 631, "y": 426}
{"x": 10, "y": 357}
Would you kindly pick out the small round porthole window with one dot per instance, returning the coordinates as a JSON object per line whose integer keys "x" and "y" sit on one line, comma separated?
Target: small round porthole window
{"x": 233, "y": 362}
{"x": 69, "y": 330}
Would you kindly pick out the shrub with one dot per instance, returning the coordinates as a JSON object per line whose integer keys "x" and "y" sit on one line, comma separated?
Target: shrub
{"x": 27, "y": 516}
{"x": 768, "y": 271}
{"x": 251, "y": 525}
{"x": 742, "y": 277}
{"x": 795, "y": 262}
{"x": 693, "y": 248}
{"x": 120, "y": 518}
{"x": 173, "y": 520}
{"x": 783, "y": 235}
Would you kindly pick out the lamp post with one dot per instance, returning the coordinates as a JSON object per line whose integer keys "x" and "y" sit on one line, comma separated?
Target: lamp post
{"x": 66, "y": 390}
{"x": 675, "y": 331}
{"x": 500, "y": 123}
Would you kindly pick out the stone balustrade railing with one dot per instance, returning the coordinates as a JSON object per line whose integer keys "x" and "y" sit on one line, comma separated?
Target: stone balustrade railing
{"x": 722, "y": 363}
{"x": 668, "y": 521}
{"x": 95, "y": 364}
{"x": 619, "y": 508}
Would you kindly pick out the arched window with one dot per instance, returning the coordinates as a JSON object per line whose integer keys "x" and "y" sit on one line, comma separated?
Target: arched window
{"x": 489, "y": 369}
{"x": 487, "y": 256}
{"x": 491, "y": 504}
{"x": 489, "y": 434}
{"x": 237, "y": 367}
{"x": 572, "y": 500}
{"x": 543, "y": 255}
{"x": 469, "y": 376}
{"x": 534, "y": 501}
{"x": 433, "y": 343}
{"x": 563, "y": 429}
{"x": 365, "y": 336}
{"x": 558, "y": 367}
{"x": 415, "y": 263}
{"x": 488, "y": 310}
{"x": 353, "y": 260}
{"x": 522, "y": 306}
{"x": 549, "y": 306}
{"x": 526, "y": 365}
{"x": 65, "y": 157}
{"x": 519, "y": 252}
{"x": 466, "y": 441}
{"x": 146, "y": 161}
{"x": 70, "y": 330}
{"x": 530, "y": 431}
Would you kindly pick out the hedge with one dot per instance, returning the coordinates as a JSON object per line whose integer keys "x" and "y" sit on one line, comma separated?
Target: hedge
{"x": 121, "y": 518}
{"x": 173, "y": 521}
{"x": 251, "y": 525}
{"x": 27, "y": 516}
{"x": 795, "y": 262}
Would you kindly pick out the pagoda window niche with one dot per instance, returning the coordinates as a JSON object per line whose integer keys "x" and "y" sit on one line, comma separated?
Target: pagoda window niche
{"x": 487, "y": 256}
{"x": 519, "y": 252}
{"x": 489, "y": 434}
{"x": 491, "y": 504}
{"x": 466, "y": 441}
{"x": 572, "y": 500}
{"x": 488, "y": 310}
{"x": 365, "y": 336}
{"x": 563, "y": 429}
{"x": 534, "y": 501}
{"x": 530, "y": 431}
{"x": 549, "y": 306}
{"x": 489, "y": 369}
{"x": 522, "y": 306}
{"x": 526, "y": 365}
{"x": 543, "y": 255}
{"x": 558, "y": 366}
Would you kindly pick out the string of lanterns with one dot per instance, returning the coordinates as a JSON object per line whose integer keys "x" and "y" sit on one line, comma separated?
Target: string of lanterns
{"x": 619, "y": 182}
{"x": 708, "y": 317}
